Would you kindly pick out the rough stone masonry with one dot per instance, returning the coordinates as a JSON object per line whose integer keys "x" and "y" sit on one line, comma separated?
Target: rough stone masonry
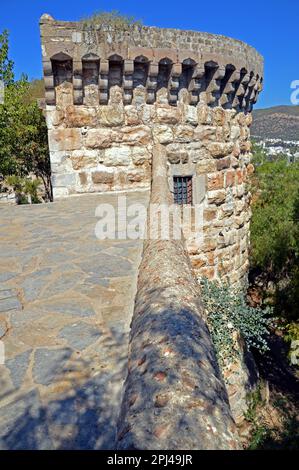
{"x": 112, "y": 95}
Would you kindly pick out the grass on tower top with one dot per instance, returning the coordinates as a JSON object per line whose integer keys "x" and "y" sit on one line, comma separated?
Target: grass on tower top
{"x": 110, "y": 20}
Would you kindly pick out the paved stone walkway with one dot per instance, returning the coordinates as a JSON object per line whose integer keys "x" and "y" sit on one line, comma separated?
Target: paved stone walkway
{"x": 66, "y": 300}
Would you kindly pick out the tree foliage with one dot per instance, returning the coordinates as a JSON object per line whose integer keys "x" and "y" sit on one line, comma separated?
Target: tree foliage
{"x": 23, "y": 131}
{"x": 6, "y": 65}
{"x": 275, "y": 230}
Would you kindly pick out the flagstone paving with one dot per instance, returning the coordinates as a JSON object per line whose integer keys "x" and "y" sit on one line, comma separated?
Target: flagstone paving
{"x": 66, "y": 300}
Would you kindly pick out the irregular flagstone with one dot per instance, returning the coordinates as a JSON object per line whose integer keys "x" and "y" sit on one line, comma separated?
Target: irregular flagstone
{"x": 74, "y": 307}
{"x": 49, "y": 363}
{"x": 66, "y": 338}
{"x": 80, "y": 335}
{"x": 11, "y": 303}
{"x": 18, "y": 367}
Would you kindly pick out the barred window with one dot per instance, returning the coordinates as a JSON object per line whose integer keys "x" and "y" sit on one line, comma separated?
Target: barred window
{"x": 182, "y": 186}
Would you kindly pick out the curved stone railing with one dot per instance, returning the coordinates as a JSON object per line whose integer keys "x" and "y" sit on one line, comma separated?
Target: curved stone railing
{"x": 174, "y": 396}
{"x": 216, "y": 70}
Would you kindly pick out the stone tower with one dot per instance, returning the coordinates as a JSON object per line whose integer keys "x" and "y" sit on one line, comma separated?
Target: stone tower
{"x": 111, "y": 95}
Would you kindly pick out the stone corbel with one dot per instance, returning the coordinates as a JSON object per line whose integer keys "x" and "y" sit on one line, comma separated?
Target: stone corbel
{"x": 128, "y": 81}
{"x": 196, "y": 84}
{"x": 103, "y": 81}
{"x": 77, "y": 82}
{"x": 240, "y": 101}
{"x": 49, "y": 83}
{"x": 174, "y": 83}
{"x": 213, "y": 89}
{"x": 229, "y": 92}
{"x": 151, "y": 84}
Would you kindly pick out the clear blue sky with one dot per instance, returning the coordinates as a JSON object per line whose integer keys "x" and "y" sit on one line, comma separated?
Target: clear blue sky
{"x": 271, "y": 26}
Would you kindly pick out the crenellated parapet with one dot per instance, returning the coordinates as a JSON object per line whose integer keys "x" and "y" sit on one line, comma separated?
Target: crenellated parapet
{"x": 215, "y": 70}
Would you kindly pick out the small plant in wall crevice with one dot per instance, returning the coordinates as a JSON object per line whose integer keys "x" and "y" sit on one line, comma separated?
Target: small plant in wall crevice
{"x": 229, "y": 315}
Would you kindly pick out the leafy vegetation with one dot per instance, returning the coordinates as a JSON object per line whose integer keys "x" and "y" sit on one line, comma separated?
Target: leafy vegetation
{"x": 23, "y": 131}
{"x": 275, "y": 236}
{"x": 26, "y": 189}
{"x": 228, "y": 312}
{"x": 6, "y": 65}
{"x": 113, "y": 20}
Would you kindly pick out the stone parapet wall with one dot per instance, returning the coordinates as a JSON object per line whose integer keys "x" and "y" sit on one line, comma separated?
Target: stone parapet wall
{"x": 174, "y": 395}
{"x": 215, "y": 69}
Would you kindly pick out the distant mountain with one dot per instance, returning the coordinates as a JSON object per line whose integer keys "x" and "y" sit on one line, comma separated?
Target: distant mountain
{"x": 279, "y": 122}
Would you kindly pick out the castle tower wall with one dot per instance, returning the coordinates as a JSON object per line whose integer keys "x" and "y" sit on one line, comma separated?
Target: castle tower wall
{"x": 112, "y": 95}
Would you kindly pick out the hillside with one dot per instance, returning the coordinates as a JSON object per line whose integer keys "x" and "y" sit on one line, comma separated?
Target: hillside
{"x": 279, "y": 122}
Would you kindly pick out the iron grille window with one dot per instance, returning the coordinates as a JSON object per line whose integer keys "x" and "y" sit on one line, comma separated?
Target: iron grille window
{"x": 182, "y": 186}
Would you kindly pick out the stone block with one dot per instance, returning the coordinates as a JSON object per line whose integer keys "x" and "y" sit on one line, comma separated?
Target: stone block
{"x": 80, "y": 116}
{"x": 220, "y": 150}
{"x": 217, "y": 197}
{"x": 65, "y": 139}
{"x": 223, "y": 163}
{"x": 183, "y": 133}
{"x": 191, "y": 115}
{"x": 140, "y": 155}
{"x": 204, "y": 114}
{"x": 219, "y": 117}
{"x": 102, "y": 177}
{"x": 118, "y": 156}
{"x": 111, "y": 115}
{"x": 64, "y": 180}
{"x": 215, "y": 181}
{"x": 162, "y": 134}
{"x": 99, "y": 138}
{"x": 139, "y": 135}
{"x": 83, "y": 161}
{"x": 168, "y": 115}
{"x": 205, "y": 166}
{"x": 204, "y": 133}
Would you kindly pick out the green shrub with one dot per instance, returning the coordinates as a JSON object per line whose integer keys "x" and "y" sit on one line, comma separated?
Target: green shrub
{"x": 26, "y": 190}
{"x": 228, "y": 313}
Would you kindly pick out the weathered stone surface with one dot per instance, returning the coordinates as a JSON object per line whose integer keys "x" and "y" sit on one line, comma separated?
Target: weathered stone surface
{"x": 49, "y": 364}
{"x": 111, "y": 115}
{"x": 99, "y": 138}
{"x": 118, "y": 156}
{"x": 139, "y": 135}
{"x": 168, "y": 115}
{"x": 80, "y": 116}
{"x": 102, "y": 177}
{"x": 218, "y": 149}
{"x": 83, "y": 161}
{"x": 10, "y": 303}
{"x": 183, "y": 133}
{"x": 65, "y": 139}
{"x": 80, "y": 335}
{"x": 163, "y": 134}
{"x": 18, "y": 367}
{"x": 141, "y": 155}
{"x": 67, "y": 180}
